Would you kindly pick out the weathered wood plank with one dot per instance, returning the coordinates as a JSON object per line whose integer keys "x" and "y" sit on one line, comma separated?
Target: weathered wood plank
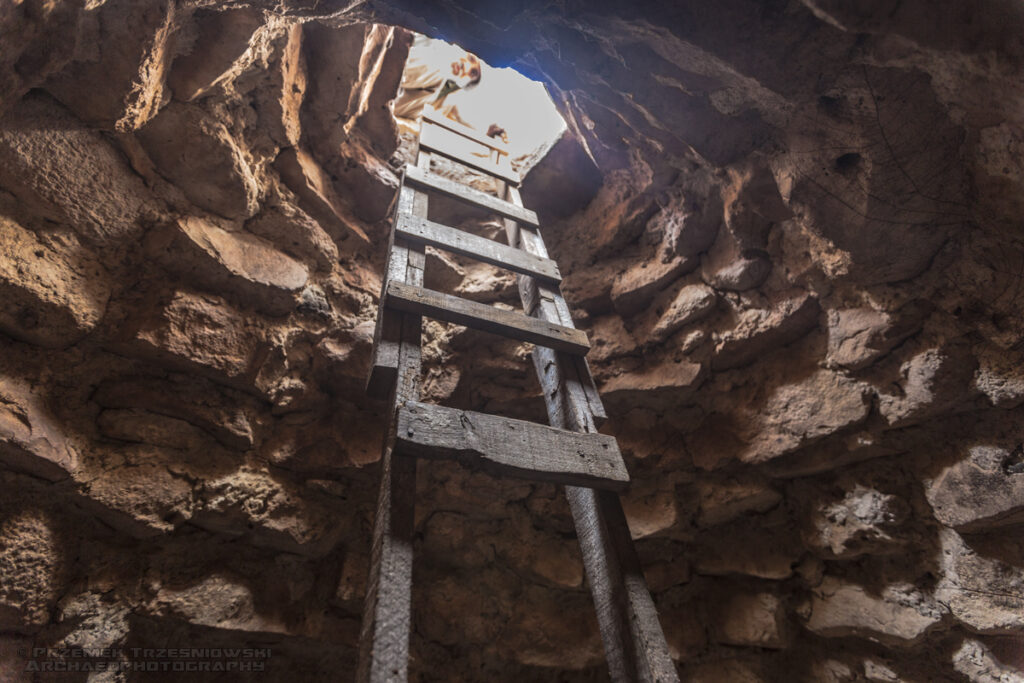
{"x": 503, "y": 446}
{"x": 468, "y": 195}
{"x": 480, "y": 248}
{"x": 479, "y": 316}
{"x": 546, "y": 302}
{"x": 634, "y": 643}
{"x": 387, "y": 608}
{"x": 433, "y": 138}
{"x": 465, "y": 131}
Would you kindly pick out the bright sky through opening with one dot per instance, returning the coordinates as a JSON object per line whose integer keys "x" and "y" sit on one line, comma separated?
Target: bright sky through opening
{"x": 505, "y": 97}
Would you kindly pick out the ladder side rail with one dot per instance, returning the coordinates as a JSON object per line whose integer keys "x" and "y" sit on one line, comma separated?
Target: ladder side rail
{"x": 387, "y": 608}
{"x": 634, "y": 642}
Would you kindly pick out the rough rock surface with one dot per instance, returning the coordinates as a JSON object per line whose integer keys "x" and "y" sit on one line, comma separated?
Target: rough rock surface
{"x": 791, "y": 230}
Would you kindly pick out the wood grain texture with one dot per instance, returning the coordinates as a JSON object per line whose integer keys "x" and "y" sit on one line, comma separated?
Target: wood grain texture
{"x": 467, "y": 195}
{"x": 480, "y": 248}
{"x": 634, "y": 643}
{"x": 387, "y": 607}
{"x": 479, "y": 316}
{"x": 503, "y": 446}
{"x": 433, "y": 138}
{"x": 465, "y": 131}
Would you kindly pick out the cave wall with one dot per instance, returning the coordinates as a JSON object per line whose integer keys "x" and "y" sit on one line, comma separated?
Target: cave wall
{"x": 790, "y": 229}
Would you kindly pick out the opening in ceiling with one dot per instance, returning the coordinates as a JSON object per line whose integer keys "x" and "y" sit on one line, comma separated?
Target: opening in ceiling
{"x": 438, "y": 75}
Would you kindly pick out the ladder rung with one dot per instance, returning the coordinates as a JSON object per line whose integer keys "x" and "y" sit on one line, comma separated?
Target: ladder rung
{"x": 432, "y": 138}
{"x": 510, "y": 447}
{"x": 464, "y": 131}
{"x": 461, "y": 311}
{"x": 464, "y": 193}
{"x": 480, "y": 248}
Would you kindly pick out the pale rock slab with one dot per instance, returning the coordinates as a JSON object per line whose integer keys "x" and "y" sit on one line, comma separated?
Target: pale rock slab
{"x": 758, "y": 330}
{"x": 203, "y": 332}
{"x": 859, "y": 336}
{"x": 979, "y": 492}
{"x": 196, "y": 152}
{"x": 982, "y": 581}
{"x": 691, "y": 303}
{"x": 751, "y": 620}
{"x": 237, "y": 262}
{"x": 31, "y": 439}
{"x": 271, "y": 512}
{"x": 218, "y": 601}
{"x": 293, "y": 230}
{"x": 899, "y": 617}
{"x": 634, "y": 288}
{"x": 934, "y": 381}
{"x": 53, "y": 290}
{"x": 863, "y": 521}
{"x": 65, "y": 172}
{"x": 226, "y": 415}
{"x": 30, "y": 562}
{"x": 724, "y": 501}
{"x": 668, "y": 383}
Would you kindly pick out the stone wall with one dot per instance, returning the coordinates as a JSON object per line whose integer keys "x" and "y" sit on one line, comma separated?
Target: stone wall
{"x": 790, "y": 229}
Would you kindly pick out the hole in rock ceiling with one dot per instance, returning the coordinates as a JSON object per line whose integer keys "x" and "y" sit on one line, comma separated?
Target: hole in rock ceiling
{"x": 438, "y": 76}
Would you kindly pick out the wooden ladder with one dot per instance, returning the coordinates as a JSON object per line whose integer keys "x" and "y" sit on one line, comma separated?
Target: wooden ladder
{"x": 569, "y": 451}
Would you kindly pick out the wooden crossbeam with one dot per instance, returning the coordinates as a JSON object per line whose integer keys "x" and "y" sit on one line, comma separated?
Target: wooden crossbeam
{"x": 465, "y": 131}
{"x": 479, "y": 316}
{"x": 504, "y": 446}
{"x": 433, "y": 138}
{"x": 467, "y": 195}
{"x": 482, "y": 249}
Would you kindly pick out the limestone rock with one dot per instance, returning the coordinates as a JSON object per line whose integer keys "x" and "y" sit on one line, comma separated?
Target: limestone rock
{"x": 202, "y": 332}
{"x": 65, "y": 172}
{"x": 900, "y": 616}
{"x": 317, "y": 197}
{"x": 226, "y": 417}
{"x": 139, "y": 426}
{"x": 729, "y": 266}
{"x": 981, "y": 581}
{"x": 218, "y": 601}
{"x": 691, "y": 303}
{"x": 590, "y": 288}
{"x": 295, "y": 231}
{"x": 30, "y": 565}
{"x": 634, "y": 288}
{"x": 609, "y": 338}
{"x": 751, "y": 620}
{"x": 858, "y": 336}
{"x": 220, "y": 38}
{"x": 272, "y": 512}
{"x": 980, "y": 491}
{"x": 977, "y": 662}
{"x": 665, "y": 383}
{"x": 238, "y": 262}
{"x": 31, "y": 439}
{"x": 723, "y": 501}
{"x": 933, "y": 381}
{"x": 690, "y": 220}
{"x": 53, "y": 291}
{"x": 138, "y": 495}
{"x": 740, "y": 549}
{"x": 1000, "y": 376}
{"x": 97, "y": 621}
{"x": 863, "y": 521}
{"x": 791, "y": 417}
{"x": 758, "y": 330}
{"x": 197, "y": 153}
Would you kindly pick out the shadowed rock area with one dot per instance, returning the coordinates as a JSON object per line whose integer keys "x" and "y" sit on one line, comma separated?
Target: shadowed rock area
{"x": 791, "y": 230}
